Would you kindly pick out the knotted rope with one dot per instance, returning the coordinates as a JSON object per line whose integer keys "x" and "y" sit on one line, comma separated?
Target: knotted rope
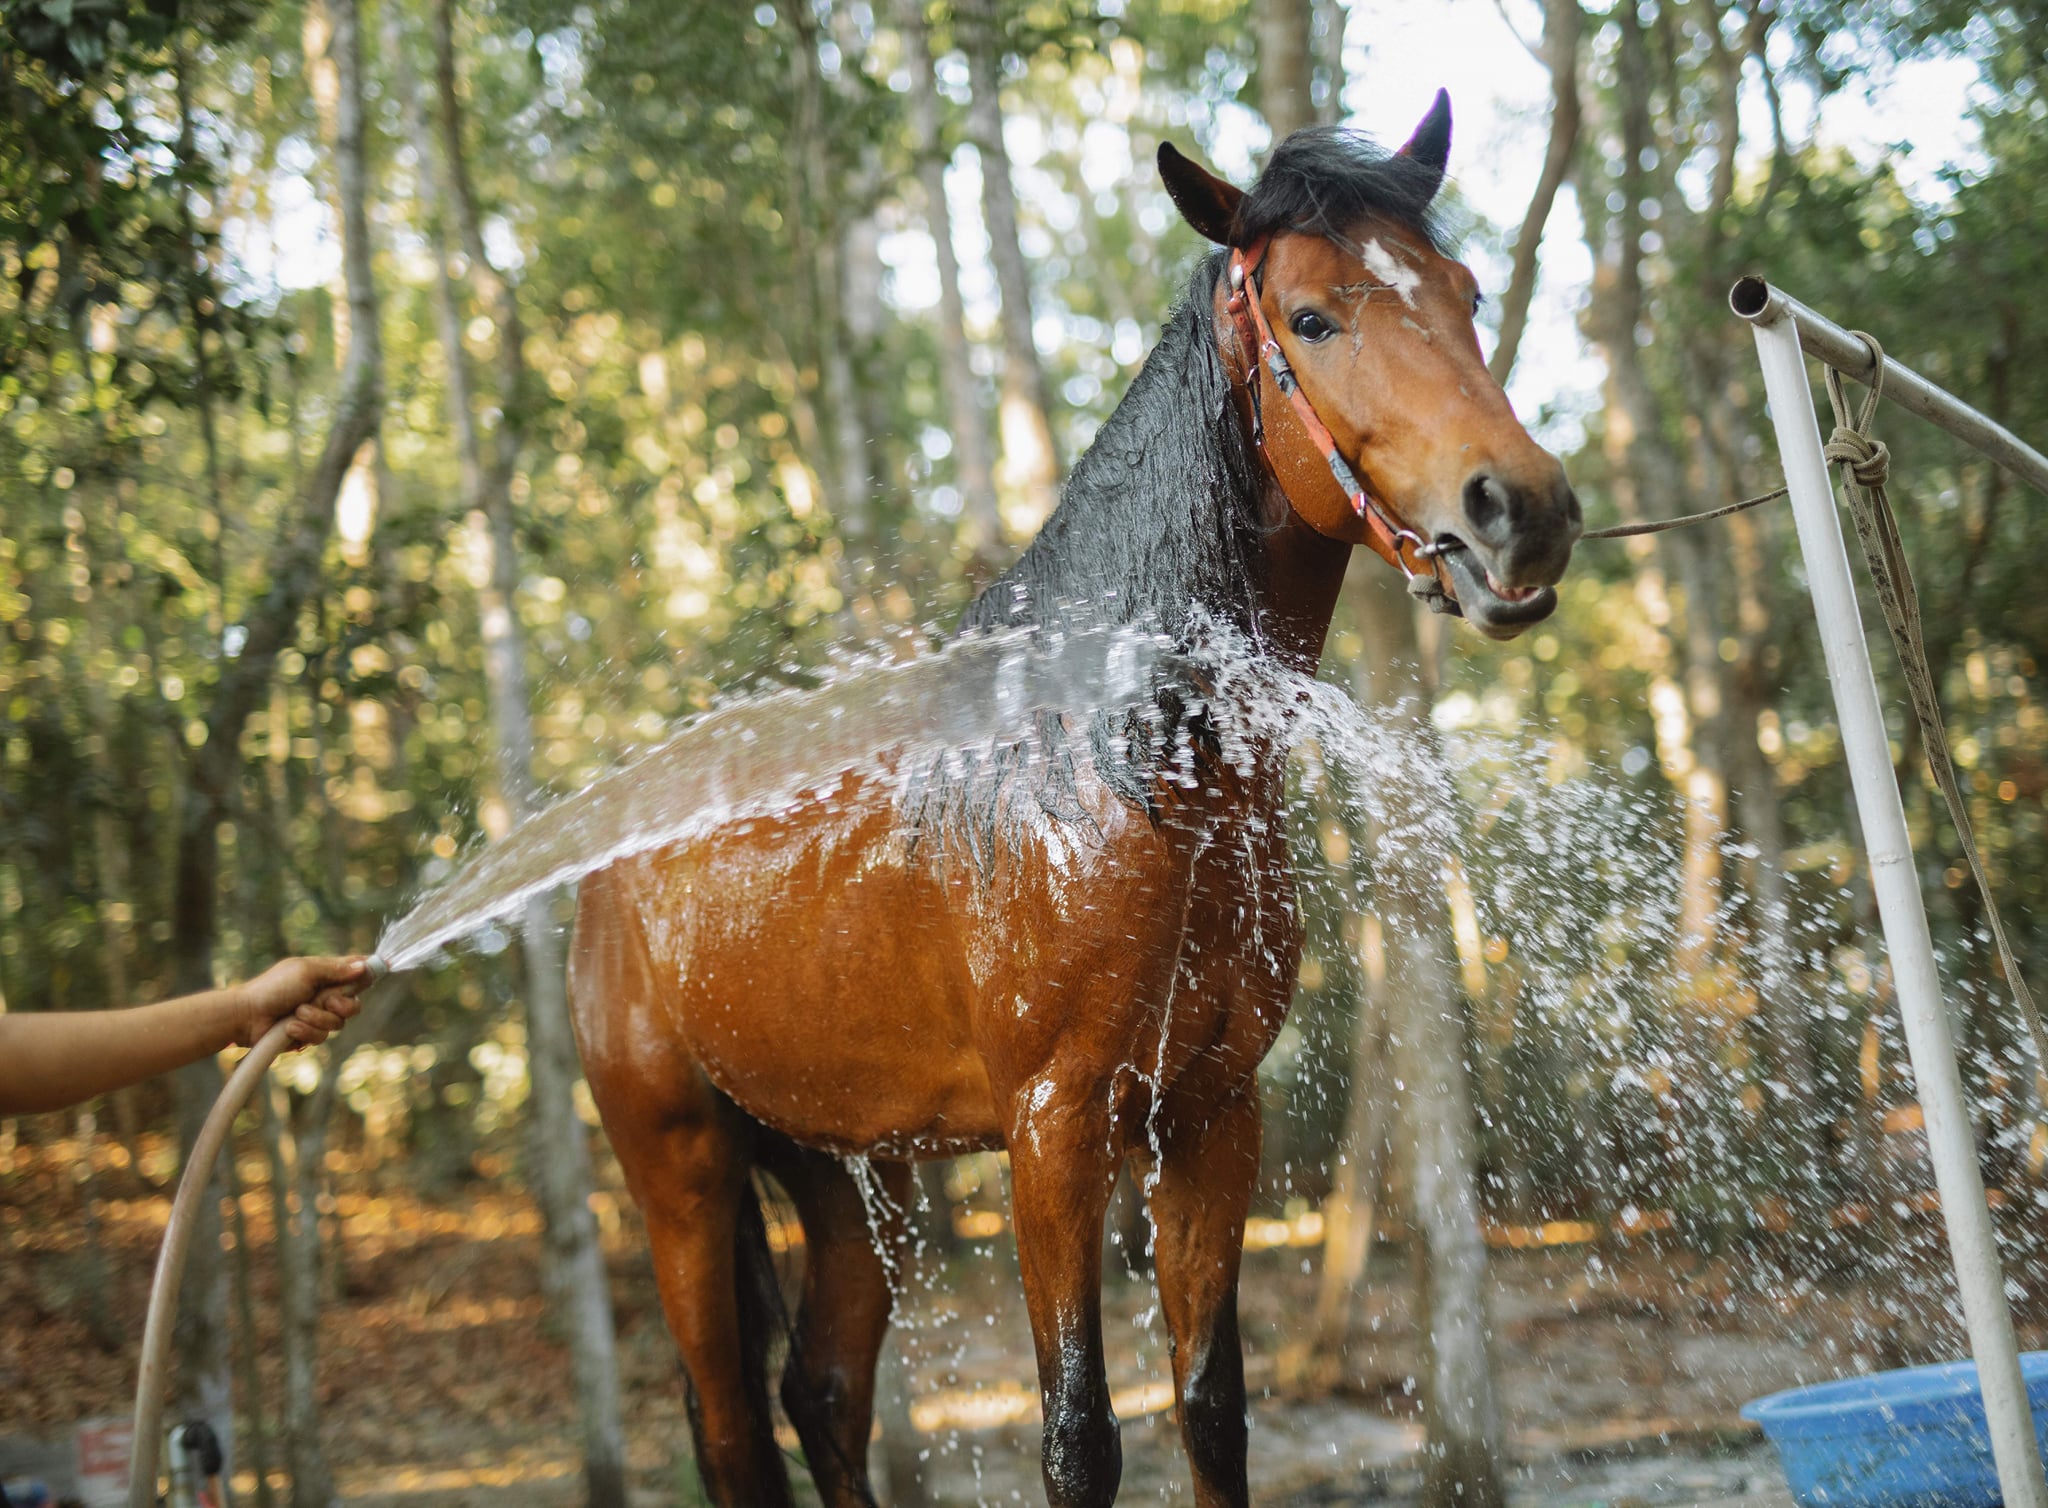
{"x": 1866, "y": 470}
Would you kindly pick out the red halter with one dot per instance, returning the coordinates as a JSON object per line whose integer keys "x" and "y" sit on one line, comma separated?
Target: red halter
{"x": 1392, "y": 538}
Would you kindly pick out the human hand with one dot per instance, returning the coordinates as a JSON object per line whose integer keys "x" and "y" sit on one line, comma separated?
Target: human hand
{"x": 319, "y": 994}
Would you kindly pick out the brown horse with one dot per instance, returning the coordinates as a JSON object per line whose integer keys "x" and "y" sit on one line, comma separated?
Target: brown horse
{"x": 1080, "y": 959}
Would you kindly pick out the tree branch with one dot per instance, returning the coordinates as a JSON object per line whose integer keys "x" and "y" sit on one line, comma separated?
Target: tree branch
{"x": 1501, "y": 9}
{"x": 293, "y": 568}
{"x": 1564, "y": 26}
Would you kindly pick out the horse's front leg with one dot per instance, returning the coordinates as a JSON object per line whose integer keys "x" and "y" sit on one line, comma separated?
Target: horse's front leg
{"x": 1208, "y": 1164}
{"x": 1063, "y": 1164}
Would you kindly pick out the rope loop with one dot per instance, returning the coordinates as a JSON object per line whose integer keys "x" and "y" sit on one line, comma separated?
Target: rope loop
{"x": 1869, "y": 463}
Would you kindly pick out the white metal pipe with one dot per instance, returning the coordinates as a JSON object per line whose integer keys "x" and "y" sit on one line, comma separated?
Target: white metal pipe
{"x": 1972, "y": 1244}
{"x": 1762, "y": 303}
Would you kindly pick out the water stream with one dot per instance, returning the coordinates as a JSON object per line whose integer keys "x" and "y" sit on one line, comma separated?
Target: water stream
{"x": 755, "y": 755}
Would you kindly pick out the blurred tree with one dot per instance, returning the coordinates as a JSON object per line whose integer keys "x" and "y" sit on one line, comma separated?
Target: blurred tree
{"x": 1030, "y": 461}
{"x": 1286, "y": 50}
{"x": 1564, "y": 26}
{"x": 561, "y": 1157}
{"x": 963, "y": 390}
{"x": 333, "y": 37}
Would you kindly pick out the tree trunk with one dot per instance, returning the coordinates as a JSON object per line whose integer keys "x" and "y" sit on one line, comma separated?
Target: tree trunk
{"x": 1286, "y": 64}
{"x": 1331, "y": 16}
{"x": 253, "y": 1401}
{"x": 972, "y": 471}
{"x": 853, "y": 480}
{"x": 293, "y": 1217}
{"x": 903, "y": 1460}
{"x": 1464, "y": 1450}
{"x": 1351, "y": 1212}
{"x": 113, "y": 874}
{"x": 97, "y": 1301}
{"x": 202, "y": 1385}
{"x": 1647, "y": 482}
{"x": 561, "y": 1147}
{"x": 300, "y": 1251}
{"x": 1464, "y": 1454}
{"x": 1563, "y": 26}
{"x": 1685, "y": 692}
{"x": 1030, "y": 461}
{"x": 298, "y": 1282}
{"x": 293, "y": 576}
{"x": 1792, "y": 1092}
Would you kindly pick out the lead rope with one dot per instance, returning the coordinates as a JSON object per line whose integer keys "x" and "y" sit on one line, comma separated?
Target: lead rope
{"x": 1658, "y": 526}
{"x": 1866, "y": 469}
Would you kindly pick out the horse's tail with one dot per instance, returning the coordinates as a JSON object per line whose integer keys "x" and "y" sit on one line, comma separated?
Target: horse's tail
{"x": 768, "y": 1345}
{"x": 767, "y": 1332}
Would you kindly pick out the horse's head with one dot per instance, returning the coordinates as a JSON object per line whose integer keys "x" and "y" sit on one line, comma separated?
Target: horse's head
{"x": 1378, "y": 418}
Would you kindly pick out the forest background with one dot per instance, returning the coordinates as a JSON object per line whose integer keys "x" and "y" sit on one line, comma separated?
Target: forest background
{"x": 408, "y": 411}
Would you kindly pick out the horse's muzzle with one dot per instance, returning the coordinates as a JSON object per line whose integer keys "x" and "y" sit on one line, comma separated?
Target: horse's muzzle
{"x": 1516, "y": 544}
{"x": 1499, "y": 613}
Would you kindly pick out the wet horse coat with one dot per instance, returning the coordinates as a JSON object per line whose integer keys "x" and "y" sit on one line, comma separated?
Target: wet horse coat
{"x": 1082, "y": 955}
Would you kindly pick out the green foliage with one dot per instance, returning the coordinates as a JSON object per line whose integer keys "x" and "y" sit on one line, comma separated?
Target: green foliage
{"x": 642, "y": 172}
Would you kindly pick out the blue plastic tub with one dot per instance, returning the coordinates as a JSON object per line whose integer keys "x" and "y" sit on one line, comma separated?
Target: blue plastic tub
{"x": 1908, "y": 1439}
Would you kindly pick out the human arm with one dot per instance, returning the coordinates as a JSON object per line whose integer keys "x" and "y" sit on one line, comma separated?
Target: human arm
{"x": 52, "y": 1059}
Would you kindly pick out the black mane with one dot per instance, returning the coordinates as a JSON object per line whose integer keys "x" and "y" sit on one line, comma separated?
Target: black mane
{"x": 1158, "y": 519}
{"x": 1323, "y": 180}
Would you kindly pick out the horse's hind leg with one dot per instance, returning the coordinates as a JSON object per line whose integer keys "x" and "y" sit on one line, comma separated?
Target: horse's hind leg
{"x": 703, "y": 1226}
{"x": 853, "y": 1256}
{"x": 687, "y": 1152}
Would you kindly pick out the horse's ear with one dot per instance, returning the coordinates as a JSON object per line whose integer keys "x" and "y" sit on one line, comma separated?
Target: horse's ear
{"x": 1431, "y": 143}
{"x": 1204, "y": 200}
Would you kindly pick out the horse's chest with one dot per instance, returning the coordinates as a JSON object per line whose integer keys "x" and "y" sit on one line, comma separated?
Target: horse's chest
{"x": 1241, "y": 948}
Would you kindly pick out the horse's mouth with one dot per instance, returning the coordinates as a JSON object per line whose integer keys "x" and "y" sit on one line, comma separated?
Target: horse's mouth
{"x": 1498, "y": 611}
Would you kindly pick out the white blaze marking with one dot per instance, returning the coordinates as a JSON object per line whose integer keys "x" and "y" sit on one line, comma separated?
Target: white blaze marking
{"x": 1392, "y": 271}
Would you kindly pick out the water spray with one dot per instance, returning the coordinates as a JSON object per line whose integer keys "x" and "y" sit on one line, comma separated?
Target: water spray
{"x": 735, "y": 761}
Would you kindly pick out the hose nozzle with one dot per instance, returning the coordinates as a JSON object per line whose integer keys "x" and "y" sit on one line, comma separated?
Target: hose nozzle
{"x": 374, "y": 969}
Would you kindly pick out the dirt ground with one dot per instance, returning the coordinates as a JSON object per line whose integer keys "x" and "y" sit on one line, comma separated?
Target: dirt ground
{"x": 1622, "y": 1367}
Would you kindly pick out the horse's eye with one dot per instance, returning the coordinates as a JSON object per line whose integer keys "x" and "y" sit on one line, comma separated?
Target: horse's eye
{"x": 1311, "y": 327}
{"x": 1478, "y": 303}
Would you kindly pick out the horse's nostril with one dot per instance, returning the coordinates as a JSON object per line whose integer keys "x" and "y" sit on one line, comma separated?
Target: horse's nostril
{"x": 1489, "y": 507}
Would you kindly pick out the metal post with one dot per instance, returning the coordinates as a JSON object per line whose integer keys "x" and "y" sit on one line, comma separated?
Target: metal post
{"x": 1972, "y": 1245}
{"x": 1762, "y": 303}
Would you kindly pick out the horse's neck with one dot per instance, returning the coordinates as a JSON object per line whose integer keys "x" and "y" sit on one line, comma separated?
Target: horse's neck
{"x": 1304, "y": 571}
